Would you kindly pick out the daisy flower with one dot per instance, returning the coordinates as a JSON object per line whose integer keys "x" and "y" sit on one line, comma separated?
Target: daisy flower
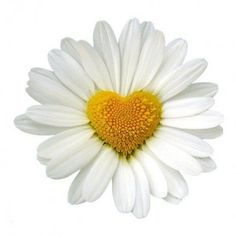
{"x": 125, "y": 111}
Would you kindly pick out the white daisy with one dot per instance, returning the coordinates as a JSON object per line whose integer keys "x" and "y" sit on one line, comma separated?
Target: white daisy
{"x": 125, "y": 111}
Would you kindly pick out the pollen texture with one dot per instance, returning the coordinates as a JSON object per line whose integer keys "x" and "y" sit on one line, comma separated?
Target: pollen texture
{"x": 124, "y": 122}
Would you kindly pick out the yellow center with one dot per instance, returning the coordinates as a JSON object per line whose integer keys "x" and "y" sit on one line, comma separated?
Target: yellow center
{"x": 124, "y": 122}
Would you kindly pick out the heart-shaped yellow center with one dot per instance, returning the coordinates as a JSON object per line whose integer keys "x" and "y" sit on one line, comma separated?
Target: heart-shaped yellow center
{"x": 124, "y": 122}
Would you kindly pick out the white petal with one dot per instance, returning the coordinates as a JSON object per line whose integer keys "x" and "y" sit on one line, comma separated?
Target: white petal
{"x": 150, "y": 60}
{"x": 75, "y": 195}
{"x": 206, "y": 133}
{"x": 174, "y": 56}
{"x": 53, "y": 90}
{"x": 65, "y": 165}
{"x": 172, "y": 199}
{"x": 64, "y": 142}
{"x": 156, "y": 179}
{"x": 100, "y": 174}
{"x": 142, "y": 198}
{"x": 94, "y": 65}
{"x": 70, "y": 46}
{"x": 57, "y": 115}
{"x": 27, "y": 125}
{"x": 202, "y": 89}
{"x": 186, "y": 107}
{"x": 123, "y": 187}
{"x": 45, "y": 73}
{"x": 207, "y": 164}
{"x": 206, "y": 120}
{"x": 177, "y": 185}
{"x": 178, "y": 80}
{"x": 106, "y": 44}
{"x": 130, "y": 47}
{"x": 42, "y": 160}
{"x": 146, "y": 28}
{"x": 37, "y": 96}
{"x": 187, "y": 142}
{"x": 173, "y": 156}
{"x": 70, "y": 73}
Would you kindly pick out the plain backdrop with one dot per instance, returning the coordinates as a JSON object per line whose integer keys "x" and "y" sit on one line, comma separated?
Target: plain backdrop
{"x": 32, "y": 204}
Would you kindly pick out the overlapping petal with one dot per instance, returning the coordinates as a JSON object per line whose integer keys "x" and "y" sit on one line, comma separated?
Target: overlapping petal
{"x": 175, "y": 108}
{"x": 49, "y": 90}
{"x": 27, "y": 125}
{"x": 179, "y": 79}
{"x": 123, "y": 187}
{"x": 70, "y": 73}
{"x": 174, "y": 55}
{"x": 106, "y": 44}
{"x": 100, "y": 174}
{"x": 142, "y": 195}
{"x": 130, "y": 43}
{"x": 57, "y": 115}
{"x": 205, "y": 120}
{"x": 173, "y": 156}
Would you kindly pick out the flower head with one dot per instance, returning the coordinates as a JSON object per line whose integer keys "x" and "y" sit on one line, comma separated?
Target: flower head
{"x": 125, "y": 111}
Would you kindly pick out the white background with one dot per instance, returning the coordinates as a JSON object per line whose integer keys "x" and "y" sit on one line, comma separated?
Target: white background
{"x": 31, "y": 203}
